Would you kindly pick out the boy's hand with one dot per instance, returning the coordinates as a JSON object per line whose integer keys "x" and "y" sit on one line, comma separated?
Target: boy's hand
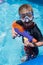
{"x": 14, "y": 34}
{"x": 34, "y": 40}
{"x": 27, "y": 43}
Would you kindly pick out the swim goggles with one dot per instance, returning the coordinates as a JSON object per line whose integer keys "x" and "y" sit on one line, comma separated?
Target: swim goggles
{"x": 27, "y": 17}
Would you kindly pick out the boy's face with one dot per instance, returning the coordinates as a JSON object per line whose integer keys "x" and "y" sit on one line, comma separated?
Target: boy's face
{"x": 26, "y": 15}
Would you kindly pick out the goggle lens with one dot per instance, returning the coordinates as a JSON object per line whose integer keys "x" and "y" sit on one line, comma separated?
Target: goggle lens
{"x": 29, "y": 14}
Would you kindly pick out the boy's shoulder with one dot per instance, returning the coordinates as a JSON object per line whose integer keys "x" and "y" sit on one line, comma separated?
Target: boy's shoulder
{"x": 35, "y": 25}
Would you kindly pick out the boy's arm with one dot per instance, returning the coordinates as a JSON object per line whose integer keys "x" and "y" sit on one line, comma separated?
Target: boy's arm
{"x": 39, "y": 36}
{"x": 27, "y": 43}
{"x": 14, "y": 34}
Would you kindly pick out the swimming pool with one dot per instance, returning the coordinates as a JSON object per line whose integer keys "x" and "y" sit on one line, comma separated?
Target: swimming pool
{"x": 11, "y": 50}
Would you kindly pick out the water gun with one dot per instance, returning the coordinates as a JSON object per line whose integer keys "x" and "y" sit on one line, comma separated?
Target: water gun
{"x": 21, "y": 31}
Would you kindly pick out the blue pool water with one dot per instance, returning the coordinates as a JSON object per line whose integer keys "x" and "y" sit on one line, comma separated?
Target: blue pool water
{"x": 11, "y": 50}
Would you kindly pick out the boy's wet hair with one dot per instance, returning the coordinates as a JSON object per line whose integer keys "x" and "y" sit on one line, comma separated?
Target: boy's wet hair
{"x": 25, "y": 6}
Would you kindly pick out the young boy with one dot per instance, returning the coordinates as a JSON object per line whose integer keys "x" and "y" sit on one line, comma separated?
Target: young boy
{"x": 27, "y": 24}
